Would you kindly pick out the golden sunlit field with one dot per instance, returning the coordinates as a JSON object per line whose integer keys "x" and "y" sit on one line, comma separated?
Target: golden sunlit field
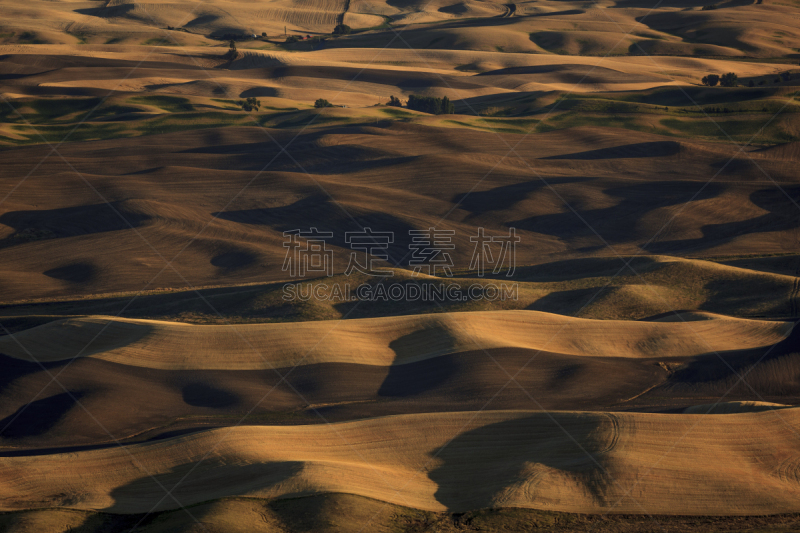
{"x": 297, "y": 266}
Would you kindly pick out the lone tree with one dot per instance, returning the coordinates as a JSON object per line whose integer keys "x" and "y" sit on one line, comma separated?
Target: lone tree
{"x": 232, "y": 52}
{"x": 395, "y": 102}
{"x": 342, "y": 29}
{"x": 430, "y": 104}
{"x": 729, "y": 80}
{"x": 711, "y": 80}
{"x": 321, "y": 102}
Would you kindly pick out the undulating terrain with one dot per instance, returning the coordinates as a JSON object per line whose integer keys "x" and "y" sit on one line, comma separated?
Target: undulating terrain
{"x": 163, "y": 368}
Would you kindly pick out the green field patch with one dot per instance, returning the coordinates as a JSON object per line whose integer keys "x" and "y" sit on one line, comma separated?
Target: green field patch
{"x": 160, "y": 41}
{"x": 725, "y": 129}
{"x": 469, "y": 67}
{"x": 228, "y": 104}
{"x": 512, "y": 120}
{"x": 396, "y": 112}
{"x": 304, "y": 120}
{"x": 71, "y": 133}
{"x": 385, "y": 25}
{"x": 80, "y": 37}
{"x": 600, "y": 105}
{"x": 524, "y": 124}
{"x": 478, "y": 126}
{"x": 112, "y": 110}
{"x": 289, "y": 109}
{"x": 49, "y": 110}
{"x": 571, "y": 120}
{"x": 172, "y": 104}
{"x": 188, "y": 121}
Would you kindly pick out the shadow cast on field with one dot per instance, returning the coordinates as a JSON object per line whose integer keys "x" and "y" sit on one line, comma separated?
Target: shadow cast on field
{"x": 234, "y": 259}
{"x": 309, "y": 152}
{"x": 69, "y": 222}
{"x": 14, "y": 369}
{"x": 568, "y": 302}
{"x": 190, "y": 483}
{"x": 506, "y": 196}
{"x": 39, "y": 416}
{"x": 73, "y": 273}
{"x": 751, "y": 374}
{"x": 627, "y": 151}
{"x": 569, "y": 269}
{"x": 408, "y": 380}
{"x": 259, "y": 91}
{"x": 202, "y": 20}
{"x": 319, "y": 211}
{"x": 401, "y": 79}
{"x": 510, "y": 459}
{"x": 617, "y": 223}
{"x": 782, "y": 215}
{"x": 106, "y": 12}
{"x": 200, "y": 394}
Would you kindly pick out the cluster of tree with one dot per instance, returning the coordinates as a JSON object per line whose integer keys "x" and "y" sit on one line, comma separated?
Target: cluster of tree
{"x": 342, "y": 29}
{"x": 726, "y": 80}
{"x": 394, "y": 102}
{"x": 250, "y": 104}
{"x": 785, "y": 76}
{"x": 297, "y": 38}
{"x": 431, "y": 104}
{"x": 729, "y": 80}
{"x": 321, "y": 102}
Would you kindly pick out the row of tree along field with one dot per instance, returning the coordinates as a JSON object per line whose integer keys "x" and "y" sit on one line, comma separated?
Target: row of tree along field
{"x": 426, "y": 104}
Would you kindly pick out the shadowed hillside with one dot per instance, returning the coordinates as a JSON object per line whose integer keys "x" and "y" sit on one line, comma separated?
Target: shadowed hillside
{"x": 399, "y": 266}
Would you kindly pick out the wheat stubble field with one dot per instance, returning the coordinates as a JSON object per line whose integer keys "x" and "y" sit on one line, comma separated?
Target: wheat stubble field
{"x": 164, "y": 367}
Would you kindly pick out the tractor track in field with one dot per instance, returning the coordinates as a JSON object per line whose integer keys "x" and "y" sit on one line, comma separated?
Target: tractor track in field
{"x": 510, "y": 10}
